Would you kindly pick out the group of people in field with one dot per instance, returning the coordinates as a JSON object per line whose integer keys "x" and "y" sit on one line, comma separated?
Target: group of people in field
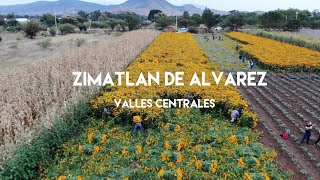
{"x": 285, "y": 135}
{"x": 236, "y": 114}
{"x": 214, "y": 37}
{"x": 242, "y": 58}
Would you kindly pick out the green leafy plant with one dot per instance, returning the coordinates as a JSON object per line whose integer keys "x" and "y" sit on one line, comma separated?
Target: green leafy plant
{"x": 67, "y": 28}
{"x": 44, "y": 43}
{"x": 31, "y": 29}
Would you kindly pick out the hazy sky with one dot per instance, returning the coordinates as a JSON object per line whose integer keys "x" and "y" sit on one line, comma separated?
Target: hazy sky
{"x": 244, "y": 5}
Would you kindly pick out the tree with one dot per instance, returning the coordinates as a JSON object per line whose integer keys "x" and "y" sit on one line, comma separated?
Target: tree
{"x": 133, "y": 20}
{"x": 83, "y": 14}
{"x": 304, "y": 17}
{"x": 122, "y": 24}
{"x": 159, "y": 15}
{"x": 69, "y": 20}
{"x": 273, "y": 19}
{"x": 2, "y": 22}
{"x": 108, "y": 14}
{"x": 234, "y": 20}
{"x": 183, "y": 22}
{"x": 186, "y": 15}
{"x": 95, "y": 15}
{"x": 31, "y": 29}
{"x": 112, "y": 23}
{"x": 209, "y": 19}
{"x": 251, "y": 18}
{"x": 103, "y": 17}
{"x": 48, "y": 19}
{"x": 315, "y": 24}
{"x": 11, "y": 16}
{"x": 80, "y": 19}
{"x": 195, "y": 20}
{"x": 293, "y": 25}
{"x": 152, "y": 13}
{"x": 12, "y": 24}
{"x": 164, "y": 22}
{"x": 315, "y": 19}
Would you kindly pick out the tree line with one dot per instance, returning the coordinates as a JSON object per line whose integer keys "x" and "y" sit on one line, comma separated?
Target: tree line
{"x": 288, "y": 20}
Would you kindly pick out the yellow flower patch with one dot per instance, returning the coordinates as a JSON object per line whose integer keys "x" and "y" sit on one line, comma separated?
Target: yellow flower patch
{"x": 277, "y": 54}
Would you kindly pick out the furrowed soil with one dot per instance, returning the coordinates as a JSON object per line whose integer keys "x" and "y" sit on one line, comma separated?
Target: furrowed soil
{"x": 287, "y": 103}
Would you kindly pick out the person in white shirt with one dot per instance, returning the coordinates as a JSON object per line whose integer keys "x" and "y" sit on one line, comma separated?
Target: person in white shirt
{"x": 307, "y": 133}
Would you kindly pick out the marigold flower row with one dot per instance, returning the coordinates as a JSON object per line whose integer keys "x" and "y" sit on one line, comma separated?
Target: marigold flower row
{"x": 173, "y": 52}
{"x": 276, "y": 55}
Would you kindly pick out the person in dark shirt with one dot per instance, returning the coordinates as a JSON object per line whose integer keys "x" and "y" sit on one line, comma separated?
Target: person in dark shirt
{"x": 307, "y": 133}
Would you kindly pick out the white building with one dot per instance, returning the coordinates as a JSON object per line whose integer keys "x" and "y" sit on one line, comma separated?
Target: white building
{"x": 20, "y": 20}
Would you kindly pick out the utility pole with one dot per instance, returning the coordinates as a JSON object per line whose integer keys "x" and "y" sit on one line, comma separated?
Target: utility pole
{"x": 176, "y": 22}
{"x": 297, "y": 15}
{"x": 286, "y": 18}
{"x": 55, "y": 21}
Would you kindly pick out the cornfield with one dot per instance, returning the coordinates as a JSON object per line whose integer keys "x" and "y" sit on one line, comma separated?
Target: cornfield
{"x": 31, "y": 96}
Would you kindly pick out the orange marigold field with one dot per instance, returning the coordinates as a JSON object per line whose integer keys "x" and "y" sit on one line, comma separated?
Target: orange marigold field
{"x": 278, "y": 56}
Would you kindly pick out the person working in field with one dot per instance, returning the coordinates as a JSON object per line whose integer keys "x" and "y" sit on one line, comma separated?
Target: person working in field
{"x": 235, "y": 114}
{"x": 285, "y": 135}
{"x": 138, "y": 123}
{"x": 188, "y": 96}
{"x": 307, "y": 133}
{"x": 238, "y": 47}
{"x": 250, "y": 64}
{"x": 240, "y": 58}
{"x": 107, "y": 111}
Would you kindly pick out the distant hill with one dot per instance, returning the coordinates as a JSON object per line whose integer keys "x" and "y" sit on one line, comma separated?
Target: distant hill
{"x": 144, "y": 6}
{"x": 141, "y": 7}
{"x": 60, "y": 6}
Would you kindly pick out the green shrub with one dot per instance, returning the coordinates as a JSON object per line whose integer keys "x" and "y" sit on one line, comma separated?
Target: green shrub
{"x": 193, "y": 30}
{"x": 52, "y": 32}
{"x": 13, "y": 25}
{"x": 31, "y": 29}
{"x": 69, "y": 20}
{"x": 45, "y": 43}
{"x": 99, "y": 24}
{"x": 67, "y": 28}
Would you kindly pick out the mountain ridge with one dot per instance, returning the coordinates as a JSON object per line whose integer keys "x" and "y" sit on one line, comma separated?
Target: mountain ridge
{"x": 65, "y": 7}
